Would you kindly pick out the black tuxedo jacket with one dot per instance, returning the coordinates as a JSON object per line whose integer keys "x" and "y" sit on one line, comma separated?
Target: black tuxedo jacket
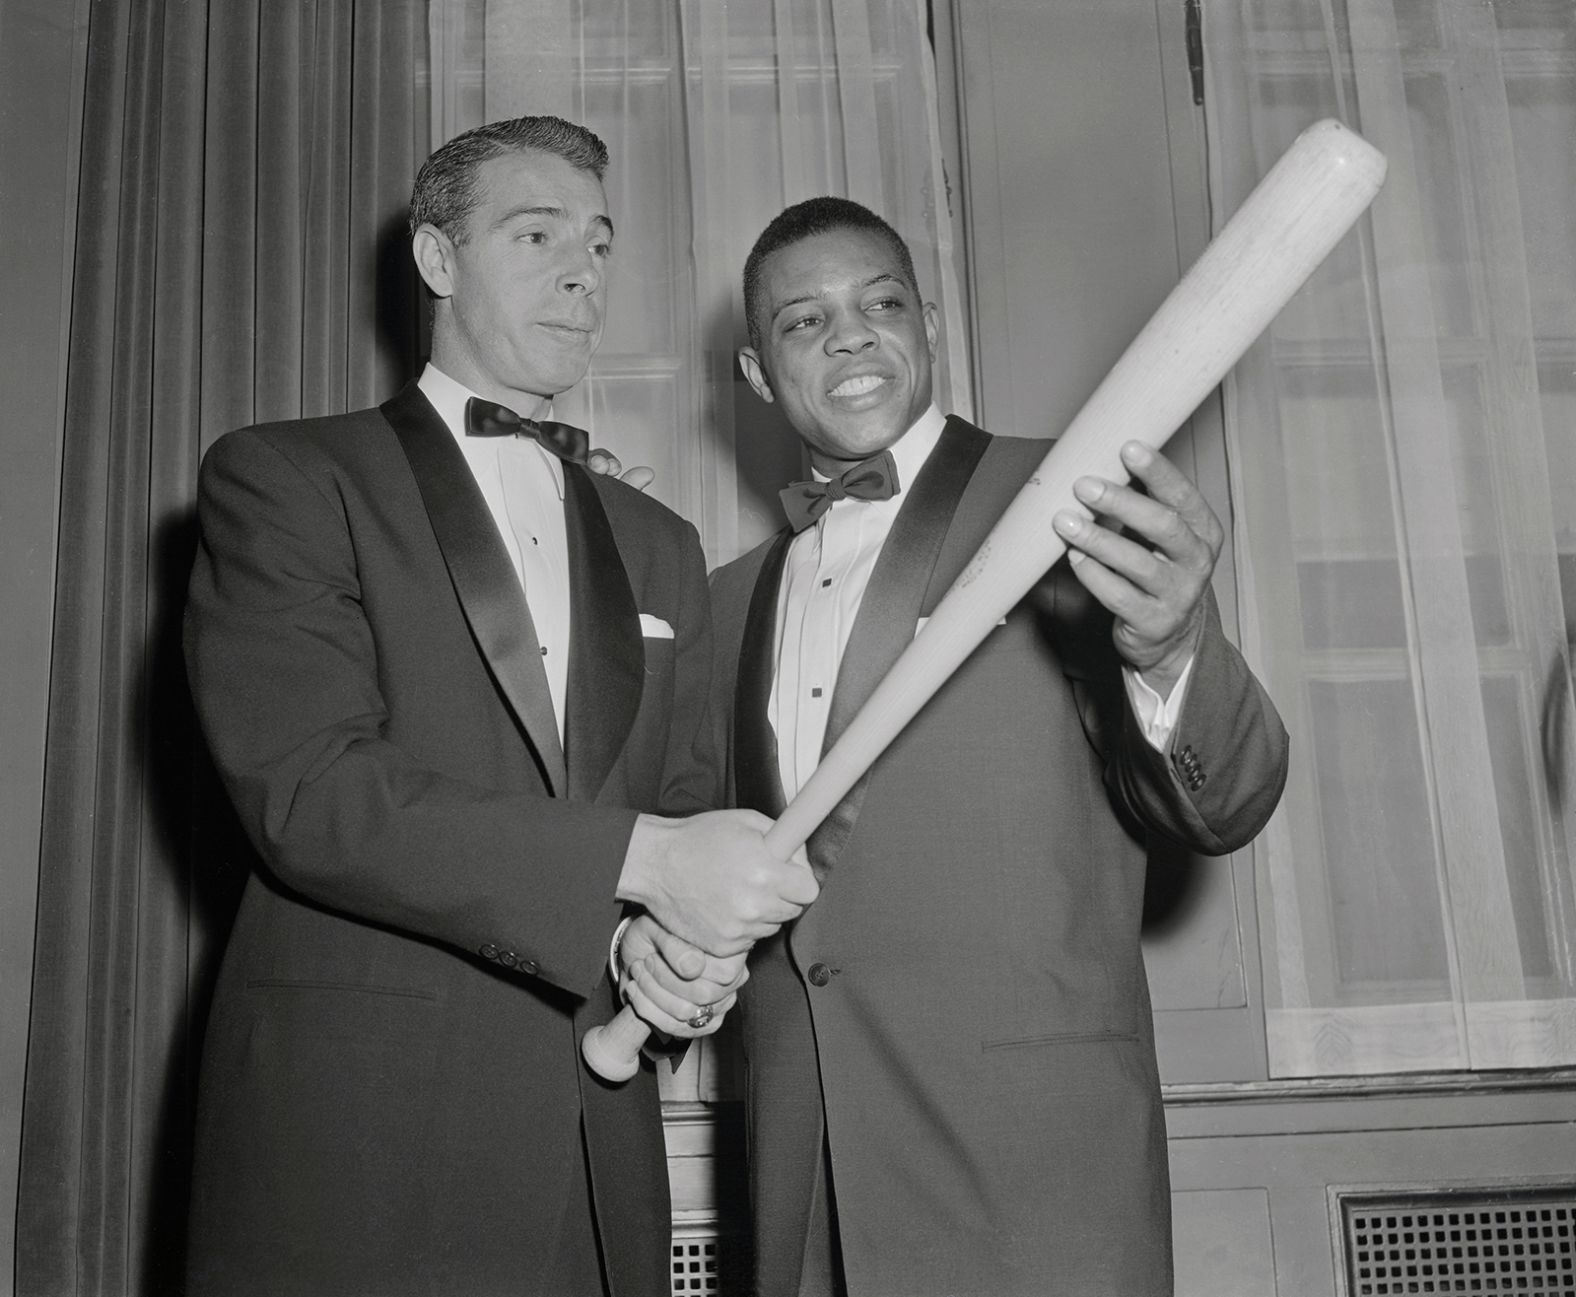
{"x": 391, "y": 1097}
{"x": 963, "y": 1013}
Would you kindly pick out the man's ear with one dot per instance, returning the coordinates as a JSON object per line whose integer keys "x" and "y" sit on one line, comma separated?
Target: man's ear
{"x": 929, "y": 313}
{"x": 433, "y": 252}
{"x": 755, "y": 373}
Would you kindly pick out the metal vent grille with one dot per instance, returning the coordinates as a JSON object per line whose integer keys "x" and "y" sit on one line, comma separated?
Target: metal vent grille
{"x": 1520, "y": 1242}
{"x": 706, "y": 1262}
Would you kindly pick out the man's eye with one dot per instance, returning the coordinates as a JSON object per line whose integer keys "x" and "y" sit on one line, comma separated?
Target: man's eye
{"x": 803, "y": 322}
{"x": 602, "y": 250}
{"x": 887, "y": 304}
{"x": 533, "y": 236}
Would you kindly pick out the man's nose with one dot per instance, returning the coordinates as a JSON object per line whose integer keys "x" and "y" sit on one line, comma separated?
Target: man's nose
{"x": 582, "y": 275}
{"x": 851, "y": 333}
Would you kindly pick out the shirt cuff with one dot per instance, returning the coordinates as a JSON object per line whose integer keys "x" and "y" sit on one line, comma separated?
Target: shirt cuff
{"x": 1157, "y": 716}
{"x": 612, "y": 950}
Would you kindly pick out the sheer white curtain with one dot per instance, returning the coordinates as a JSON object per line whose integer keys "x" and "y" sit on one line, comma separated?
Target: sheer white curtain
{"x": 717, "y": 116}
{"x": 1403, "y": 449}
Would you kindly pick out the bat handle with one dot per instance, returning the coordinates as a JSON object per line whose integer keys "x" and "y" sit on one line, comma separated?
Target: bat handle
{"x": 612, "y": 1051}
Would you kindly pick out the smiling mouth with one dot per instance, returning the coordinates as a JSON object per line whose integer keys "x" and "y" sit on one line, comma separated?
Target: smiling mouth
{"x": 559, "y": 327}
{"x": 859, "y": 385}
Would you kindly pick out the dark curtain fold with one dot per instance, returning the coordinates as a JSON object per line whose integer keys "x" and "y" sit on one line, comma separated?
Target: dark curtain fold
{"x": 245, "y": 168}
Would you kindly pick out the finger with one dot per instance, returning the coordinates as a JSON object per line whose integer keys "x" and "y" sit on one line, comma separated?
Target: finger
{"x": 1154, "y": 523}
{"x": 679, "y": 991}
{"x": 1127, "y": 573}
{"x": 709, "y": 1027}
{"x": 672, "y": 992}
{"x": 655, "y": 1017}
{"x": 673, "y": 1014}
{"x": 688, "y": 961}
{"x": 721, "y": 990}
{"x": 1165, "y": 482}
{"x": 719, "y": 983}
{"x": 1126, "y": 603}
{"x": 694, "y": 993}
{"x": 1151, "y": 601}
{"x": 728, "y": 972}
{"x": 646, "y": 983}
{"x": 798, "y": 887}
{"x": 604, "y": 462}
{"x": 723, "y": 945}
{"x": 639, "y": 478}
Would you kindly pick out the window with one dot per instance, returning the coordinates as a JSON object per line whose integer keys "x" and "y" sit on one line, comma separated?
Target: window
{"x": 1403, "y": 449}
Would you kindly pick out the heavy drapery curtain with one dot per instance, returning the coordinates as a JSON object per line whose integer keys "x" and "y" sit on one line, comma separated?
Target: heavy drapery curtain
{"x": 1404, "y": 475}
{"x": 717, "y": 116}
{"x": 241, "y": 256}
{"x": 246, "y": 166}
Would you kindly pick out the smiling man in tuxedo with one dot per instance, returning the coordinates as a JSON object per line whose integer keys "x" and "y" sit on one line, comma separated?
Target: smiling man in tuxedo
{"x": 455, "y": 686}
{"x": 951, "y": 1065}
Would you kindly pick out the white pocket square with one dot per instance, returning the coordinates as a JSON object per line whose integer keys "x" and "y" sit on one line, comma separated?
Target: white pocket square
{"x": 654, "y": 627}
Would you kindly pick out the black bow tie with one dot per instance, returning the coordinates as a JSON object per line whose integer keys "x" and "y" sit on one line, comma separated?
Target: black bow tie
{"x": 873, "y": 479}
{"x": 489, "y": 419}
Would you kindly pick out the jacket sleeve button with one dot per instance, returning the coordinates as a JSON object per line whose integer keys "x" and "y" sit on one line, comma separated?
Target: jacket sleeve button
{"x": 489, "y": 951}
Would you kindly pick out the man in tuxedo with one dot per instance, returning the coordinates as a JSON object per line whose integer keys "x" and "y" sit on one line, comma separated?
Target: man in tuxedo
{"x": 455, "y": 685}
{"x": 951, "y": 1069}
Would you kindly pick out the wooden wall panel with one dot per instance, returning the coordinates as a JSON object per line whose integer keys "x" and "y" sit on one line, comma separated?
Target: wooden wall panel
{"x": 1081, "y": 156}
{"x": 1223, "y": 1242}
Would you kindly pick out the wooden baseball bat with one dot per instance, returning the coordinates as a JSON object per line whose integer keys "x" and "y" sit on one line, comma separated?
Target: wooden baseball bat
{"x": 1299, "y": 211}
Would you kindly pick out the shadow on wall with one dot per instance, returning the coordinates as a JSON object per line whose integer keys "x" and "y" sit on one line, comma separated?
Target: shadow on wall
{"x": 197, "y": 835}
{"x": 1172, "y": 886}
{"x": 766, "y": 451}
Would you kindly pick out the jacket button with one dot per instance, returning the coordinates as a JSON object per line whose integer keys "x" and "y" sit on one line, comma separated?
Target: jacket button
{"x": 819, "y": 974}
{"x": 528, "y": 966}
{"x": 488, "y": 951}
{"x": 506, "y": 958}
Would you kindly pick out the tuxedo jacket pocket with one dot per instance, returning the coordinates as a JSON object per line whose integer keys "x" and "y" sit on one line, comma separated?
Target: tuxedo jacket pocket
{"x": 337, "y": 987}
{"x": 1056, "y": 1038}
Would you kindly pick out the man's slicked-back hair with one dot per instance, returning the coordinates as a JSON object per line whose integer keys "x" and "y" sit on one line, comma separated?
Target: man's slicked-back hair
{"x": 445, "y": 191}
{"x": 802, "y": 221}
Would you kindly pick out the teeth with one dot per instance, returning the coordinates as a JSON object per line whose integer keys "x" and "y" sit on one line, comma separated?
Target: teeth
{"x": 857, "y": 386}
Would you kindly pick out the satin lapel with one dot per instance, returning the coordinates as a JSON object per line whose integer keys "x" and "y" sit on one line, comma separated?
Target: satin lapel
{"x": 607, "y": 663}
{"x": 757, "y": 779}
{"x": 484, "y": 578}
{"x": 890, "y": 609}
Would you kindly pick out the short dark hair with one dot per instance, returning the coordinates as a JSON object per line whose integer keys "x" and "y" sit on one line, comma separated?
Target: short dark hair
{"x": 802, "y": 221}
{"x": 445, "y": 194}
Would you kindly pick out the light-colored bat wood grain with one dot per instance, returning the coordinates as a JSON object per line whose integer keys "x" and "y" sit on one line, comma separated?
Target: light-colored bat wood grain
{"x": 1296, "y": 214}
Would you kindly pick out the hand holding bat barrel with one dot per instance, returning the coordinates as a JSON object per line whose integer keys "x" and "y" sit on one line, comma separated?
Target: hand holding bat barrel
{"x": 1285, "y": 228}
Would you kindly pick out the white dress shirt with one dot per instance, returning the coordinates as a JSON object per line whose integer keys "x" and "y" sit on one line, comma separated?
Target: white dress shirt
{"x": 827, "y": 568}
{"x": 524, "y": 489}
